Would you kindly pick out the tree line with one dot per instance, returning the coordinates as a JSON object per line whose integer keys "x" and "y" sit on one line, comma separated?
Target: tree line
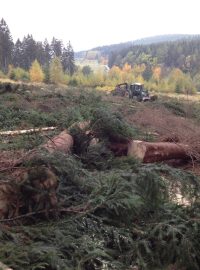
{"x": 23, "y": 53}
{"x": 166, "y": 67}
{"x": 183, "y": 54}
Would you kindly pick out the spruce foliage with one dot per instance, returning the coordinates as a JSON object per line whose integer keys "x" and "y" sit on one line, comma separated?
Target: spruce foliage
{"x": 111, "y": 219}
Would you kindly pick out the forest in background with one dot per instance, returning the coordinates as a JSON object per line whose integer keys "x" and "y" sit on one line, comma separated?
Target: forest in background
{"x": 162, "y": 67}
{"x": 16, "y": 59}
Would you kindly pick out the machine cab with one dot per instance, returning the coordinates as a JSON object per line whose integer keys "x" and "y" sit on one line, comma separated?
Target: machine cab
{"x": 136, "y": 89}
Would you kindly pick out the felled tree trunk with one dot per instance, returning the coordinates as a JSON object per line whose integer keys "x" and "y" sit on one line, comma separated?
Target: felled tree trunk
{"x": 149, "y": 152}
{"x": 62, "y": 142}
{"x": 25, "y": 131}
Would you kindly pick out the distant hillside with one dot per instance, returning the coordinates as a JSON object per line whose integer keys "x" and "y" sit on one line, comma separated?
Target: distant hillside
{"x": 183, "y": 54}
{"x": 107, "y": 49}
{"x": 170, "y": 51}
{"x": 162, "y": 38}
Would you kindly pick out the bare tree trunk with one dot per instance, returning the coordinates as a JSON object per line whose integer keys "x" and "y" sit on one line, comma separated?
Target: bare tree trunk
{"x": 25, "y": 131}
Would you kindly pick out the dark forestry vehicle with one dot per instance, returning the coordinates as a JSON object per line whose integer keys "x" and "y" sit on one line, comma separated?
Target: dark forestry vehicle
{"x": 133, "y": 91}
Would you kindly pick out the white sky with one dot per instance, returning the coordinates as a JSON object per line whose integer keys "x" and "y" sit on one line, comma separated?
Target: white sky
{"x": 90, "y": 23}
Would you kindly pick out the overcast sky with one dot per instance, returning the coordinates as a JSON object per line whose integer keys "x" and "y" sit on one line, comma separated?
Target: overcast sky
{"x": 90, "y": 23}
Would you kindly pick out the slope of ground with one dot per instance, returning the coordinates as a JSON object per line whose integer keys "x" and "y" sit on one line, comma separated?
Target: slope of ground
{"x": 90, "y": 209}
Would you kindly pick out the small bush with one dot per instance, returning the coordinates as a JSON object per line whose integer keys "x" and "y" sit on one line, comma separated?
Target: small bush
{"x": 19, "y": 74}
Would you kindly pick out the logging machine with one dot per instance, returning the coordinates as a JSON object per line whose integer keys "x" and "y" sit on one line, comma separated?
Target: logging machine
{"x": 133, "y": 91}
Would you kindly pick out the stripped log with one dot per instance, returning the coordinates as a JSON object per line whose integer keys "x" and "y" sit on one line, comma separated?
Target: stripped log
{"x": 25, "y": 131}
{"x": 62, "y": 142}
{"x": 149, "y": 152}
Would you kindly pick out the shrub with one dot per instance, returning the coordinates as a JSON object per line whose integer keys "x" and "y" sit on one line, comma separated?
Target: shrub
{"x": 19, "y": 74}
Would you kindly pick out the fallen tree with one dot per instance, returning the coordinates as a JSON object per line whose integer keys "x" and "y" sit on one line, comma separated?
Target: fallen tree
{"x": 149, "y": 152}
{"x": 25, "y": 131}
{"x": 146, "y": 152}
{"x": 118, "y": 137}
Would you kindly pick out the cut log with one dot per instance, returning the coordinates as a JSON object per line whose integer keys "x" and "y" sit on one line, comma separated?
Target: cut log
{"x": 25, "y": 131}
{"x": 62, "y": 142}
{"x": 149, "y": 152}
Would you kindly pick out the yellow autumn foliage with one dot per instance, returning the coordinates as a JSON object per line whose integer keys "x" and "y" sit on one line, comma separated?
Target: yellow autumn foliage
{"x": 36, "y": 73}
{"x": 127, "y": 68}
{"x": 157, "y": 73}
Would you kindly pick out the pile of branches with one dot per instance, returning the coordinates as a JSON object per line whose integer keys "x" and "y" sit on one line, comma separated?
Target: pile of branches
{"x": 90, "y": 209}
{"x": 108, "y": 219}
